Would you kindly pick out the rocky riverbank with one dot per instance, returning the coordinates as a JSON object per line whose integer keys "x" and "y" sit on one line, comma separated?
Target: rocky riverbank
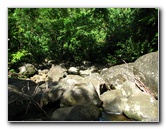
{"x": 126, "y": 92}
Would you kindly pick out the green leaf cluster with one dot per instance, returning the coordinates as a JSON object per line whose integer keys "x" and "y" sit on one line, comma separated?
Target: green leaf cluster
{"x": 99, "y": 35}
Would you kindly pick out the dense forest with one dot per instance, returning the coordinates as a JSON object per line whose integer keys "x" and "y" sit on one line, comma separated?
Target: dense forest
{"x": 98, "y": 35}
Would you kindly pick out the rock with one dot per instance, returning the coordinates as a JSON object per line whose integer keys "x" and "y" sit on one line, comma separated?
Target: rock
{"x": 128, "y": 88}
{"x": 27, "y": 70}
{"x": 55, "y": 93}
{"x": 109, "y": 96}
{"x": 57, "y": 89}
{"x": 24, "y": 86}
{"x": 81, "y": 93}
{"x": 118, "y": 74}
{"x": 19, "y": 92}
{"x": 142, "y": 107}
{"x": 148, "y": 65}
{"x": 73, "y": 70}
{"x": 96, "y": 80}
{"x": 116, "y": 106}
{"x": 44, "y": 71}
{"x": 86, "y": 63}
{"x": 56, "y": 73}
{"x": 113, "y": 102}
{"x": 86, "y": 112}
{"x": 87, "y": 72}
{"x": 61, "y": 114}
{"x": 71, "y": 79}
{"x": 39, "y": 78}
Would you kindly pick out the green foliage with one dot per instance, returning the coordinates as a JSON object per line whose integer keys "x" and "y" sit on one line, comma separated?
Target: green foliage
{"x": 16, "y": 57}
{"x": 100, "y": 35}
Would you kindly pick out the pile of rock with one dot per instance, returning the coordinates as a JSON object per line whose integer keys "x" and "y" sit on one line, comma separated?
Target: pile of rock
{"x": 130, "y": 89}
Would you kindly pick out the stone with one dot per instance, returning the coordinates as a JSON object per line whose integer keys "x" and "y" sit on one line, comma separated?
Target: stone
{"x": 71, "y": 79}
{"x": 116, "y": 106}
{"x": 113, "y": 102}
{"x": 96, "y": 80}
{"x": 60, "y": 114}
{"x": 55, "y": 93}
{"x": 27, "y": 70}
{"x": 87, "y": 72}
{"x": 118, "y": 74}
{"x": 81, "y": 93}
{"x": 142, "y": 107}
{"x": 56, "y": 73}
{"x": 86, "y": 112}
{"x": 128, "y": 88}
{"x": 19, "y": 96}
{"x": 148, "y": 65}
{"x": 73, "y": 70}
{"x": 38, "y": 78}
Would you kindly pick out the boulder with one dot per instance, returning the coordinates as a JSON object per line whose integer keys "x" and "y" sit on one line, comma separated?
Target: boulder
{"x": 86, "y": 112}
{"x": 73, "y": 70}
{"x": 71, "y": 79}
{"x": 113, "y": 102}
{"x": 56, "y": 73}
{"x": 27, "y": 70}
{"x": 39, "y": 78}
{"x": 56, "y": 90}
{"x": 19, "y": 97}
{"x": 81, "y": 93}
{"x": 142, "y": 107}
{"x": 148, "y": 65}
{"x": 96, "y": 80}
{"x": 118, "y": 74}
{"x": 116, "y": 106}
{"x": 61, "y": 114}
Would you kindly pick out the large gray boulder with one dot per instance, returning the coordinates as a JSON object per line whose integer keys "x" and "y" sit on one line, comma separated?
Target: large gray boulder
{"x": 56, "y": 90}
{"x": 113, "y": 102}
{"x": 118, "y": 74}
{"x": 56, "y": 73}
{"x": 96, "y": 80}
{"x": 142, "y": 107}
{"x": 81, "y": 93}
{"x": 148, "y": 65}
